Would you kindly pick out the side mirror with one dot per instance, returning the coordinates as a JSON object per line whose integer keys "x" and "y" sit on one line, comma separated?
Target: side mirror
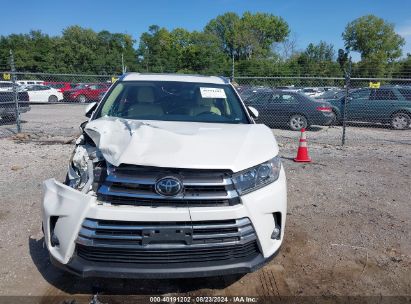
{"x": 253, "y": 112}
{"x": 90, "y": 109}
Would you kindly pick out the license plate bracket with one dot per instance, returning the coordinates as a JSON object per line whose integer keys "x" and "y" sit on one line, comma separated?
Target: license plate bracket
{"x": 167, "y": 236}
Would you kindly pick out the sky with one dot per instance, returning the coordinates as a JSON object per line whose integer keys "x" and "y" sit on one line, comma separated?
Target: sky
{"x": 309, "y": 20}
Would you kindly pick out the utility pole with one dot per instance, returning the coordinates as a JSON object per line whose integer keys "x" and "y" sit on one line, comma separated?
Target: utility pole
{"x": 15, "y": 95}
{"x": 346, "y": 99}
{"x": 232, "y": 67}
{"x": 123, "y": 68}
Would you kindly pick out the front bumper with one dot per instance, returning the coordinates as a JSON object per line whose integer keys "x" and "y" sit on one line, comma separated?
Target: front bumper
{"x": 83, "y": 268}
{"x": 72, "y": 207}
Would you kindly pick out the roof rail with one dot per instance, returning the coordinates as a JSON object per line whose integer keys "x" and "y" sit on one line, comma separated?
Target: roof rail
{"x": 225, "y": 79}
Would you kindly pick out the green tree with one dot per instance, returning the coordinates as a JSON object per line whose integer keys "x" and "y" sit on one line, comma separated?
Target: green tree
{"x": 376, "y": 41}
{"x": 342, "y": 59}
{"x": 403, "y": 68}
{"x": 320, "y": 52}
{"x": 316, "y": 60}
{"x": 77, "y": 50}
{"x": 156, "y": 50}
{"x": 250, "y": 36}
{"x": 226, "y": 28}
{"x": 33, "y": 51}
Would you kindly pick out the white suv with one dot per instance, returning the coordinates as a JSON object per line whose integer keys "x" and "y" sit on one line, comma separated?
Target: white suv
{"x": 171, "y": 178}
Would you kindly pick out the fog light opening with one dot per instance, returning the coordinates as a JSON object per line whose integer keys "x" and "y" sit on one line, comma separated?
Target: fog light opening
{"x": 276, "y": 234}
{"x": 54, "y": 240}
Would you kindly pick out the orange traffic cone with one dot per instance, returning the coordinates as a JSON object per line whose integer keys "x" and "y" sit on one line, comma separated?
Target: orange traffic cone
{"x": 302, "y": 153}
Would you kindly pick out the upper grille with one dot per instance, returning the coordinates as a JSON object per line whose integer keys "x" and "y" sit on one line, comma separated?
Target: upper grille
{"x": 135, "y": 185}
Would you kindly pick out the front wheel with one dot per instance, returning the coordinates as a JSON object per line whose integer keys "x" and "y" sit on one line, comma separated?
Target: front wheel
{"x": 82, "y": 98}
{"x": 53, "y": 98}
{"x": 400, "y": 121}
{"x": 297, "y": 122}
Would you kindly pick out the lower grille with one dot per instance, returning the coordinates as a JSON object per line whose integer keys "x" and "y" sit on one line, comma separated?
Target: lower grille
{"x": 125, "y": 234}
{"x": 229, "y": 254}
{"x": 167, "y": 242}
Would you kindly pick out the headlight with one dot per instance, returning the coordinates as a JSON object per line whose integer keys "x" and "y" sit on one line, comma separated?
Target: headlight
{"x": 78, "y": 171}
{"x": 258, "y": 176}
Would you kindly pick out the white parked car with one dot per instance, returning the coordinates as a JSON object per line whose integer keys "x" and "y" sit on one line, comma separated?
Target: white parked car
{"x": 171, "y": 178}
{"x": 313, "y": 92}
{"x": 42, "y": 93}
{"x": 29, "y": 82}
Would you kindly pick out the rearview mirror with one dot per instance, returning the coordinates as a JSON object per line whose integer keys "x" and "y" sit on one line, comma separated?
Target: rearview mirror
{"x": 90, "y": 109}
{"x": 253, "y": 112}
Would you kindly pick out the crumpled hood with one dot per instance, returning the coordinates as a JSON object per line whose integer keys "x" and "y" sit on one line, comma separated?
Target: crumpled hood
{"x": 182, "y": 144}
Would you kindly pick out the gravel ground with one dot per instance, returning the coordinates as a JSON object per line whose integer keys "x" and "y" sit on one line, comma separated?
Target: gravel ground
{"x": 347, "y": 233}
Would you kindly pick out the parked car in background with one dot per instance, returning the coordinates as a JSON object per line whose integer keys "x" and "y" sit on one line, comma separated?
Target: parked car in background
{"x": 293, "y": 109}
{"x": 42, "y": 93}
{"x": 331, "y": 94}
{"x": 85, "y": 92}
{"x": 6, "y": 86}
{"x": 312, "y": 92}
{"x": 29, "y": 82}
{"x": 8, "y": 105}
{"x": 60, "y": 86}
{"x": 331, "y": 89}
{"x": 290, "y": 88}
{"x": 387, "y": 105}
{"x": 247, "y": 92}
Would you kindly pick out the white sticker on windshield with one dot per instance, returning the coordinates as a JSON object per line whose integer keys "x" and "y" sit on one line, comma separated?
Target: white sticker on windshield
{"x": 212, "y": 93}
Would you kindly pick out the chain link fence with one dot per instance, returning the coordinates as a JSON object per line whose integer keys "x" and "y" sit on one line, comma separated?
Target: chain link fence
{"x": 20, "y": 93}
{"x": 334, "y": 110}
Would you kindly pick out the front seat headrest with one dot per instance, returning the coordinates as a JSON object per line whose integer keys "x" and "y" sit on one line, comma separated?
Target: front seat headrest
{"x": 145, "y": 95}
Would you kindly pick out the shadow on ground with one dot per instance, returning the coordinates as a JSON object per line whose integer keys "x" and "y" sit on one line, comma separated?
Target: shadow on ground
{"x": 311, "y": 128}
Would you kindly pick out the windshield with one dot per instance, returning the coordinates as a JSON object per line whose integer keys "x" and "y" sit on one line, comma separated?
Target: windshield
{"x": 173, "y": 101}
{"x": 56, "y": 85}
{"x": 331, "y": 94}
{"x": 81, "y": 86}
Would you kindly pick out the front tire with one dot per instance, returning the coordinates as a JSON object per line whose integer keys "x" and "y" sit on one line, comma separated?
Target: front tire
{"x": 400, "y": 121}
{"x": 82, "y": 99}
{"x": 53, "y": 98}
{"x": 297, "y": 122}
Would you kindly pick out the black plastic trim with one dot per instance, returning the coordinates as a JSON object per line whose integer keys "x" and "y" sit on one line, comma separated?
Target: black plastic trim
{"x": 83, "y": 268}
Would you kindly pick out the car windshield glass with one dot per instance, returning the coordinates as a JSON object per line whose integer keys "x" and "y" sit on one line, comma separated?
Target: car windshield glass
{"x": 56, "y": 85}
{"x": 80, "y": 86}
{"x": 406, "y": 93}
{"x": 173, "y": 101}
{"x": 330, "y": 94}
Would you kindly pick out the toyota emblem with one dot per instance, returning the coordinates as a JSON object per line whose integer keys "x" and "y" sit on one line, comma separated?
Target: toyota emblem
{"x": 169, "y": 186}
